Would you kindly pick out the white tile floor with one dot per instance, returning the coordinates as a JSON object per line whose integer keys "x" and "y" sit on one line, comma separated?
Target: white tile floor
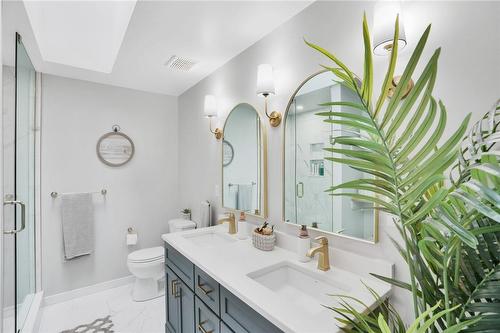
{"x": 128, "y": 316}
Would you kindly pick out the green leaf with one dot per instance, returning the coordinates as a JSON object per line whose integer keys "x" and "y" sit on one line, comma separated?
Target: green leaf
{"x": 335, "y": 60}
{"x": 427, "y": 207}
{"x": 477, "y": 204}
{"x": 362, "y": 164}
{"x": 407, "y": 73}
{"x": 383, "y": 325}
{"x": 367, "y": 86}
{"x": 347, "y": 115}
{"x": 426, "y": 78}
{"x": 390, "y": 70}
{"x": 352, "y": 124}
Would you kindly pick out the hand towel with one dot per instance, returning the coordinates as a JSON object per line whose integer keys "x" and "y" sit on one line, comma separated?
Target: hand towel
{"x": 205, "y": 215}
{"x": 245, "y": 197}
{"x": 77, "y": 216}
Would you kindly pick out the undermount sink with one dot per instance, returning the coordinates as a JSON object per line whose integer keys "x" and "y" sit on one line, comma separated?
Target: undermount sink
{"x": 209, "y": 239}
{"x": 300, "y": 286}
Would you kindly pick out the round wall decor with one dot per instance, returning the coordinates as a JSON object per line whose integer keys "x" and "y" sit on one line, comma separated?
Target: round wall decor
{"x": 115, "y": 148}
{"x": 228, "y": 153}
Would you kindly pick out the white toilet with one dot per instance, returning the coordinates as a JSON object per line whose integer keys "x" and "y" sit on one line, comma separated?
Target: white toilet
{"x": 147, "y": 264}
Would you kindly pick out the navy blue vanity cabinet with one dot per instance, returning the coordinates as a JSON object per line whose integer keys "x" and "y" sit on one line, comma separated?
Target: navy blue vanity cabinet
{"x": 179, "y": 304}
{"x": 242, "y": 318}
{"x": 195, "y": 302}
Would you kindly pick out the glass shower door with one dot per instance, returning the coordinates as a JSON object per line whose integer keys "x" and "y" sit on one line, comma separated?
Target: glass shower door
{"x": 19, "y": 202}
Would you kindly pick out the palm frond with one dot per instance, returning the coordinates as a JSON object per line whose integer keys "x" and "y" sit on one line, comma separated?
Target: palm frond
{"x": 451, "y": 234}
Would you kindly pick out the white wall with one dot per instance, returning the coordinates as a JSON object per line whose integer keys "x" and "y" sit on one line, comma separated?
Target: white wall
{"x": 141, "y": 194}
{"x": 468, "y": 81}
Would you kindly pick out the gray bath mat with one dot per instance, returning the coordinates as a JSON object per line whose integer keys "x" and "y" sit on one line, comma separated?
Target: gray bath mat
{"x": 101, "y": 325}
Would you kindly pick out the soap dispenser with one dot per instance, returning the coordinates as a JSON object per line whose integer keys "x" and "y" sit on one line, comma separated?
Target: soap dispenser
{"x": 303, "y": 244}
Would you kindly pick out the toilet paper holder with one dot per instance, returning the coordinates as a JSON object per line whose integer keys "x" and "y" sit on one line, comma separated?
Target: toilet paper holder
{"x": 131, "y": 237}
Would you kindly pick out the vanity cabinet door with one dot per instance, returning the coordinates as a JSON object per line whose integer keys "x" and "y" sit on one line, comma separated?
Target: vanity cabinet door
{"x": 206, "y": 320}
{"x": 179, "y": 305}
{"x": 186, "y": 300}
{"x": 172, "y": 303}
{"x": 224, "y": 328}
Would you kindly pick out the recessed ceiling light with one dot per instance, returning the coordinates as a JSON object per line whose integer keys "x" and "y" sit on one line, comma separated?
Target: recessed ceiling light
{"x": 179, "y": 63}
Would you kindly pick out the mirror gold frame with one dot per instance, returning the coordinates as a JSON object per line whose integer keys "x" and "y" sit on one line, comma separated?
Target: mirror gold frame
{"x": 376, "y": 213}
{"x": 263, "y": 165}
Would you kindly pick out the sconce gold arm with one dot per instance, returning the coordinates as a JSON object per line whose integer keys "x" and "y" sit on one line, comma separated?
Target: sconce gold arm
{"x": 274, "y": 117}
{"x": 217, "y": 132}
{"x": 395, "y": 82}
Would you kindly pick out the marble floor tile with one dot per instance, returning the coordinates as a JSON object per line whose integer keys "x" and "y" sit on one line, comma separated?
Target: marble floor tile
{"x": 128, "y": 316}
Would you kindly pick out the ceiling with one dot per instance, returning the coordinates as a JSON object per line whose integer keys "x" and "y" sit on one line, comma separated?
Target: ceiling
{"x": 209, "y": 32}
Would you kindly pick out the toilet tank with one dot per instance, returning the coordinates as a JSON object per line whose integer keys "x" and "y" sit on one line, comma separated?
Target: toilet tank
{"x": 177, "y": 225}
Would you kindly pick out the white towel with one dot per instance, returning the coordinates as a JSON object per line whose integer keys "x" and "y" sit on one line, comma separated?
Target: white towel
{"x": 77, "y": 216}
{"x": 205, "y": 215}
{"x": 245, "y": 197}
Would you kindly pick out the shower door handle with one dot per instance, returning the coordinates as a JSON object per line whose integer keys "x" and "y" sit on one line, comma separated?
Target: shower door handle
{"x": 300, "y": 189}
{"x": 23, "y": 216}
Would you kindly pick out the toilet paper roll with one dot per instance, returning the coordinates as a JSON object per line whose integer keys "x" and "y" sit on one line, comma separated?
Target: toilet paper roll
{"x": 131, "y": 239}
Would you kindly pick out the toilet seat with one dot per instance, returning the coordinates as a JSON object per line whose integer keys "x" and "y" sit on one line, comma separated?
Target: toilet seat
{"x": 147, "y": 255}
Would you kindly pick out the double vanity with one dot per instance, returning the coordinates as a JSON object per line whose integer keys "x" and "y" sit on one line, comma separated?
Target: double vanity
{"x": 216, "y": 282}
{"x": 219, "y": 283}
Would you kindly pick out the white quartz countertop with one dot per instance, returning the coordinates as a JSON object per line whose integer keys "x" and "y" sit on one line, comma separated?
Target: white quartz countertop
{"x": 230, "y": 264}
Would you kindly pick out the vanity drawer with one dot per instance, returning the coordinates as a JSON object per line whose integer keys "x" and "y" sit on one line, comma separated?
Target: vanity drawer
{"x": 205, "y": 320}
{"x": 180, "y": 265}
{"x": 240, "y": 317}
{"x": 207, "y": 289}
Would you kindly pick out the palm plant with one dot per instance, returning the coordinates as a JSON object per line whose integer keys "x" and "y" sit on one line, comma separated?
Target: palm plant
{"x": 450, "y": 234}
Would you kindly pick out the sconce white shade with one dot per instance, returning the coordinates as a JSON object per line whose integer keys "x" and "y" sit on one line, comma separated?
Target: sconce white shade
{"x": 265, "y": 80}
{"x": 383, "y": 27}
{"x": 210, "y": 107}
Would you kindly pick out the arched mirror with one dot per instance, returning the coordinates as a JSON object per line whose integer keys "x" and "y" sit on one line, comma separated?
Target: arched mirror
{"x": 307, "y": 174}
{"x": 244, "y": 162}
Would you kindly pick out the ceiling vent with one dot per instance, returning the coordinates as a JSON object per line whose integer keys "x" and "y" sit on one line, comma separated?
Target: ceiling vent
{"x": 179, "y": 63}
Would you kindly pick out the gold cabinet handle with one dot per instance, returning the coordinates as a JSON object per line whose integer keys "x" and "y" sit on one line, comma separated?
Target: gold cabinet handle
{"x": 173, "y": 288}
{"x": 204, "y": 289}
{"x": 202, "y": 329}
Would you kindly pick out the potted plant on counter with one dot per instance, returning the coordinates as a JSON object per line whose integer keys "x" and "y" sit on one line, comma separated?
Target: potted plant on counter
{"x": 186, "y": 214}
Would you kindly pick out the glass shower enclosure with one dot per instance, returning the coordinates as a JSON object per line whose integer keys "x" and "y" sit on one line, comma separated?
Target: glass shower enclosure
{"x": 19, "y": 189}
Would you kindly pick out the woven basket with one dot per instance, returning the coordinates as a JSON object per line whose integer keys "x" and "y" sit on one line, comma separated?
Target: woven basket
{"x": 263, "y": 242}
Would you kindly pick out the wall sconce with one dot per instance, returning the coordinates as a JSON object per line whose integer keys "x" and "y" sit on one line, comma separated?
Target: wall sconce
{"x": 383, "y": 35}
{"x": 265, "y": 87}
{"x": 383, "y": 27}
{"x": 210, "y": 110}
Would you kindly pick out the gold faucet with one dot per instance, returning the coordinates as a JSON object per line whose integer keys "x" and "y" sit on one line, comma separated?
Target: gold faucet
{"x": 232, "y": 223}
{"x": 322, "y": 249}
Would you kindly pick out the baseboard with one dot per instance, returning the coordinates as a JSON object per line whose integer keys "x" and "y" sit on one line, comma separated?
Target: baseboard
{"x": 72, "y": 294}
